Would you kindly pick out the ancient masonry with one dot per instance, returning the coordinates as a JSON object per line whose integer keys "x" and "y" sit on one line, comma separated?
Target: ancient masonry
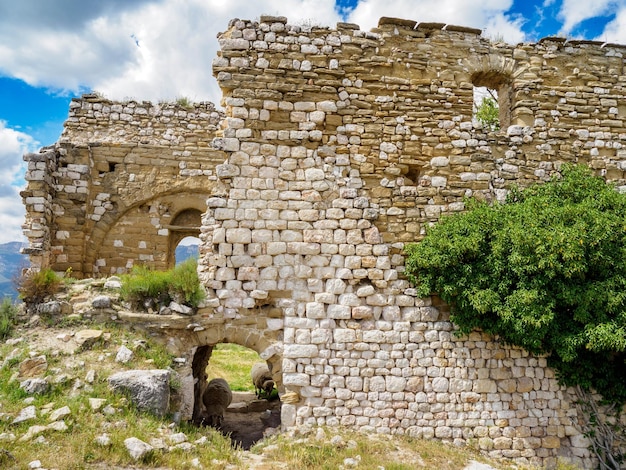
{"x": 337, "y": 147}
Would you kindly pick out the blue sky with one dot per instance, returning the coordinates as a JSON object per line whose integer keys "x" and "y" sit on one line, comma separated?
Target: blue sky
{"x": 53, "y": 50}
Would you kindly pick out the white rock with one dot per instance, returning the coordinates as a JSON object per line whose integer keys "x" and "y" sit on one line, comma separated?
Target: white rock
{"x": 137, "y": 448}
{"x": 123, "y": 355}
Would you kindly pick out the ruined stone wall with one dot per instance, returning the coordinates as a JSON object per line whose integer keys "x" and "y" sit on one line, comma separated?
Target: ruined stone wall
{"x": 342, "y": 146}
{"x": 113, "y": 191}
{"x": 337, "y": 147}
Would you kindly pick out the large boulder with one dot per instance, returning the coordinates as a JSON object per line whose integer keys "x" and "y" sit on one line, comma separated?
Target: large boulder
{"x": 149, "y": 390}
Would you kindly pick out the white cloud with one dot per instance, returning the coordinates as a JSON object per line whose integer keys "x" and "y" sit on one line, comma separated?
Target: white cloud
{"x": 482, "y": 14}
{"x": 148, "y": 50}
{"x": 615, "y": 31}
{"x": 574, "y": 12}
{"x": 13, "y": 144}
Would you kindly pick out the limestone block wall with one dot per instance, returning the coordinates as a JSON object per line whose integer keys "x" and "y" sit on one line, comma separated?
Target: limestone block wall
{"x": 343, "y": 145}
{"x": 113, "y": 191}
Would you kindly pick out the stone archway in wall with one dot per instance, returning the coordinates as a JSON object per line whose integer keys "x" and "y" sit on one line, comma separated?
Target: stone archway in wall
{"x": 146, "y": 233}
{"x": 263, "y": 342}
{"x": 184, "y": 224}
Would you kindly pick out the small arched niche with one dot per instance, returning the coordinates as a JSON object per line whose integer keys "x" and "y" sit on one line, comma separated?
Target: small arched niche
{"x": 184, "y": 227}
{"x": 251, "y": 416}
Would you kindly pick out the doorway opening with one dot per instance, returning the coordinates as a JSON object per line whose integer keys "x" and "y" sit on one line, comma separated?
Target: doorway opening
{"x": 251, "y": 414}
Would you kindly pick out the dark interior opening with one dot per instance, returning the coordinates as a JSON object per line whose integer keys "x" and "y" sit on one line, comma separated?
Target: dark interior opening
{"x": 250, "y": 416}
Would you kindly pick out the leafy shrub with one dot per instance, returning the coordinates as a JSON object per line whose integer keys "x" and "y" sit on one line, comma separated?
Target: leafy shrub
{"x": 8, "y": 311}
{"x": 144, "y": 287}
{"x": 38, "y": 286}
{"x": 488, "y": 114}
{"x": 546, "y": 271}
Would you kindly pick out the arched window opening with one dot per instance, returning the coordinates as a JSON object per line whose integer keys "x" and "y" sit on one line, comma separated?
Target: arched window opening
{"x": 486, "y": 110}
{"x": 492, "y": 100}
{"x": 185, "y": 227}
{"x": 252, "y": 413}
{"x": 187, "y": 248}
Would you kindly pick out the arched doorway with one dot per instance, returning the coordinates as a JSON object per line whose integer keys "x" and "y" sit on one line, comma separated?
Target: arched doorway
{"x": 251, "y": 416}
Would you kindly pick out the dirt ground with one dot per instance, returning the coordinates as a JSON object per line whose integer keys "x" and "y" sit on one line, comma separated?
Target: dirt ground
{"x": 248, "y": 419}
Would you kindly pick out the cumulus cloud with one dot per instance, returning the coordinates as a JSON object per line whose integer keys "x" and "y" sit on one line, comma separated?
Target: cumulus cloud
{"x": 163, "y": 49}
{"x": 574, "y": 12}
{"x": 146, "y": 49}
{"x": 13, "y": 144}
{"x": 489, "y": 15}
{"x": 615, "y": 30}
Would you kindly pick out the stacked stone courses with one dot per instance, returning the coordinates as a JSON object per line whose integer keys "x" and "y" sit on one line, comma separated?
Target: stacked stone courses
{"x": 344, "y": 145}
{"x": 337, "y": 147}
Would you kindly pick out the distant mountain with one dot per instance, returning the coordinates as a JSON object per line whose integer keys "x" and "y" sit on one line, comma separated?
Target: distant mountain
{"x": 186, "y": 251}
{"x": 11, "y": 264}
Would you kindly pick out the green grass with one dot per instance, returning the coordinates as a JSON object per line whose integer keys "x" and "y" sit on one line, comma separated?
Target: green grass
{"x": 233, "y": 363}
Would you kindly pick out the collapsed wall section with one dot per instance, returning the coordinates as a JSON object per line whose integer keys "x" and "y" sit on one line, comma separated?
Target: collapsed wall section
{"x": 106, "y": 196}
{"x": 342, "y": 146}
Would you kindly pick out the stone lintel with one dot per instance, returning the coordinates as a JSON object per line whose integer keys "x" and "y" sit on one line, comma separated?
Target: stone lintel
{"x": 273, "y": 19}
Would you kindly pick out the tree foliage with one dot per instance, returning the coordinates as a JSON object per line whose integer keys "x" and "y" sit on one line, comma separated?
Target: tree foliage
{"x": 488, "y": 114}
{"x": 545, "y": 271}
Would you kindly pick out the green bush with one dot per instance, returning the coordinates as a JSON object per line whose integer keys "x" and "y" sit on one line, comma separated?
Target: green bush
{"x": 488, "y": 114}
{"x": 8, "y": 312}
{"x": 546, "y": 271}
{"x": 184, "y": 284}
{"x": 38, "y": 286}
{"x": 144, "y": 287}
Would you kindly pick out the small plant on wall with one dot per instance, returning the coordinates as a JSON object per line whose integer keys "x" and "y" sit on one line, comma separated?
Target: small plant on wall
{"x": 147, "y": 288}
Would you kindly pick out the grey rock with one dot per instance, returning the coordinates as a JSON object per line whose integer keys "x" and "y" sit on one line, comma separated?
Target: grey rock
{"x": 178, "y": 438}
{"x": 113, "y": 283}
{"x": 179, "y": 308}
{"x": 149, "y": 390}
{"x": 165, "y": 310}
{"x": 54, "y": 307}
{"x": 60, "y": 413}
{"x": 137, "y": 448}
{"x": 35, "y": 386}
{"x": 123, "y": 355}
{"x": 96, "y": 403}
{"x": 103, "y": 440}
{"x": 26, "y": 414}
{"x": 87, "y": 338}
{"x": 101, "y": 301}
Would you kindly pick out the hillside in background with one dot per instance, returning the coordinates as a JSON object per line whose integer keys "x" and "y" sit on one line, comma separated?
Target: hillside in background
{"x": 186, "y": 251}
{"x": 11, "y": 264}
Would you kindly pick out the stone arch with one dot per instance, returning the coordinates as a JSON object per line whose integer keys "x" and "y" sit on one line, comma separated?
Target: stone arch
{"x": 141, "y": 233}
{"x": 266, "y": 345}
{"x": 495, "y": 72}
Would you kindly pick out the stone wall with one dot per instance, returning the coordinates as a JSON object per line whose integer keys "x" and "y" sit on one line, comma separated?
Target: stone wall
{"x": 337, "y": 147}
{"x": 124, "y": 184}
{"x": 343, "y": 145}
